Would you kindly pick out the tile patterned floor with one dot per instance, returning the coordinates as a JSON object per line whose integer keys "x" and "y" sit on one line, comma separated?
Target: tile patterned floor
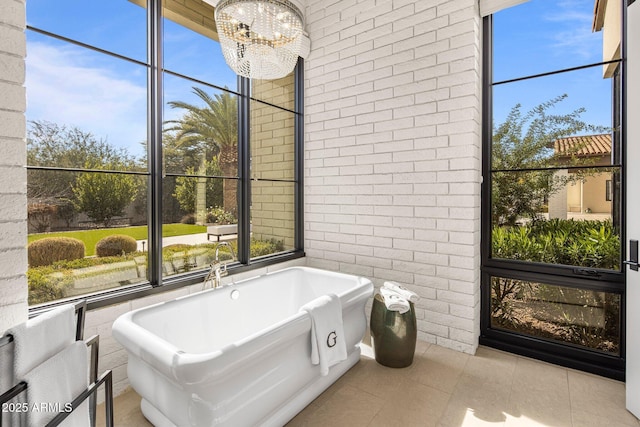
{"x": 445, "y": 388}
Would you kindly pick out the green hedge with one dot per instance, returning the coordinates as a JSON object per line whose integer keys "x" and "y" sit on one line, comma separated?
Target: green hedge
{"x": 47, "y": 251}
{"x": 593, "y": 244}
{"x": 49, "y": 283}
{"x": 116, "y": 244}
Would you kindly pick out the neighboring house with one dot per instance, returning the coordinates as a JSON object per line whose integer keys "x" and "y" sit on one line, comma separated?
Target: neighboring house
{"x": 588, "y": 198}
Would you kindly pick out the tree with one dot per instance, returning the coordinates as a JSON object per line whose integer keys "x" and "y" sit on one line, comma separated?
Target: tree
{"x": 103, "y": 195}
{"x": 185, "y": 189}
{"x": 526, "y": 142}
{"x": 211, "y": 130}
{"x": 53, "y": 145}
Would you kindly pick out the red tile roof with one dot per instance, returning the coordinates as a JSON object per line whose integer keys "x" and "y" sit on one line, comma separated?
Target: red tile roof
{"x": 587, "y": 145}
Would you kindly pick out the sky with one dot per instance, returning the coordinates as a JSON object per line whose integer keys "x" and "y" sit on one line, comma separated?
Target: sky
{"x": 71, "y": 85}
{"x": 540, "y": 36}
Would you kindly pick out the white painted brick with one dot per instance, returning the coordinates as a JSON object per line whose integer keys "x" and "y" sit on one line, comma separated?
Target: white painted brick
{"x": 375, "y": 33}
{"x": 375, "y": 96}
{"x": 457, "y": 201}
{"x": 458, "y": 274}
{"x": 376, "y": 241}
{"x": 12, "y": 123}
{"x": 363, "y": 129}
{"x": 13, "y": 261}
{"x": 12, "y": 13}
{"x": 13, "y": 95}
{"x": 414, "y": 184}
{"x": 431, "y": 258}
{"x": 340, "y": 257}
{"x": 393, "y": 233}
{"x": 334, "y": 237}
{"x": 415, "y": 87}
{"x": 354, "y": 30}
{"x": 416, "y": 223}
{"x": 414, "y": 19}
{"x": 358, "y": 270}
{"x": 464, "y": 238}
{"x": 414, "y": 267}
{"x": 357, "y": 170}
{"x": 375, "y": 55}
{"x": 433, "y": 328}
{"x": 357, "y": 250}
{"x": 373, "y": 262}
{"x": 455, "y": 79}
{"x": 432, "y": 235}
{"x": 13, "y": 291}
{"x": 451, "y": 7}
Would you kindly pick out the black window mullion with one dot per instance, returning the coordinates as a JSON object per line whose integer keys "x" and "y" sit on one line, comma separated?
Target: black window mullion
{"x": 244, "y": 170}
{"x": 299, "y": 155}
{"x": 487, "y": 137}
{"x": 154, "y": 29}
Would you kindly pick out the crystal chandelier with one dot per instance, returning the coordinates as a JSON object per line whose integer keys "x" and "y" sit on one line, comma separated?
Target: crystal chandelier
{"x": 260, "y": 39}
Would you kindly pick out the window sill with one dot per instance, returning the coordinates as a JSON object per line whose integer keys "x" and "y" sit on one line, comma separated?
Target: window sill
{"x": 120, "y": 295}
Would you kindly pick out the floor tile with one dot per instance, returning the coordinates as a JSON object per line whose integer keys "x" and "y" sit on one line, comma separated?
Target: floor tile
{"x": 126, "y": 410}
{"x": 439, "y": 367}
{"x": 445, "y": 388}
{"x": 413, "y": 404}
{"x": 600, "y": 397}
{"x": 539, "y": 395}
{"x": 477, "y": 402}
{"x": 347, "y": 407}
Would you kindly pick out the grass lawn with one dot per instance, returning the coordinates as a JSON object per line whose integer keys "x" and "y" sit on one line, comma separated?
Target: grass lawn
{"x": 91, "y": 237}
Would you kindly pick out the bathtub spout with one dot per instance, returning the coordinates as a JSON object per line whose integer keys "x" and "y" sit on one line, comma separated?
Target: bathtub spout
{"x": 217, "y": 269}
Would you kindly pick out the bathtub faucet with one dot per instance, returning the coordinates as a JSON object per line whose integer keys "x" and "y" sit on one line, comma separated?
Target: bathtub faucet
{"x": 217, "y": 268}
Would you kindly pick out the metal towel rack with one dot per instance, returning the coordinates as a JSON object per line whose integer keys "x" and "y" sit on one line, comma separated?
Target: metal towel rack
{"x": 90, "y": 392}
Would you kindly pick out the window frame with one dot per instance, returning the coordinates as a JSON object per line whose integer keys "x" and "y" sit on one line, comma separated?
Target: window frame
{"x": 561, "y": 275}
{"x": 155, "y": 174}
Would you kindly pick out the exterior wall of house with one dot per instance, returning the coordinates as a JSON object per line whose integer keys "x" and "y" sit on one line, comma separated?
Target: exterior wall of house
{"x": 595, "y": 192}
{"x": 13, "y": 176}
{"x": 392, "y": 152}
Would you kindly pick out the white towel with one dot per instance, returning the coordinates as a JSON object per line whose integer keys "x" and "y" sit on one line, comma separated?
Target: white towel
{"x": 328, "y": 345}
{"x": 393, "y": 301}
{"x": 402, "y": 291}
{"x": 54, "y": 384}
{"x": 36, "y": 340}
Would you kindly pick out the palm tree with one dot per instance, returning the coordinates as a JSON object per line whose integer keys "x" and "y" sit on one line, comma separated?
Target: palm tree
{"x": 212, "y": 130}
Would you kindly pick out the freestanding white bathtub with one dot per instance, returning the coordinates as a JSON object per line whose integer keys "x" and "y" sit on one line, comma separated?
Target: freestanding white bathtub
{"x": 239, "y": 355}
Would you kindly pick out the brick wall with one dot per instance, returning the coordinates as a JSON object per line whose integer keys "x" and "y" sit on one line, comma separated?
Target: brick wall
{"x": 392, "y": 152}
{"x": 272, "y": 157}
{"x": 13, "y": 177}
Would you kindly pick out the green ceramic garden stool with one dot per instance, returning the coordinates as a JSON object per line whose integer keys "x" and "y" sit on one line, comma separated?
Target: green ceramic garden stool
{"x": 393, "y": 334}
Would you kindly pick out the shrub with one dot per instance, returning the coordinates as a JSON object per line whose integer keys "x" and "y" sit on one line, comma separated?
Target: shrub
{"x": 593, "y": 244}
{"x": 188, "y": 219}
{"x": 116, "y": 244}
{"x": 217, "y": 215}
{"x": 44, "y": 286}
{"x": 51, "y": 249}
{"x": 266, "y": 247}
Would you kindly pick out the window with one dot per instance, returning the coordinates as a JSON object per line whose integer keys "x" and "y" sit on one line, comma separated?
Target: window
{"x": 553, "y": 284}
{"x": 145, "y": 150}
